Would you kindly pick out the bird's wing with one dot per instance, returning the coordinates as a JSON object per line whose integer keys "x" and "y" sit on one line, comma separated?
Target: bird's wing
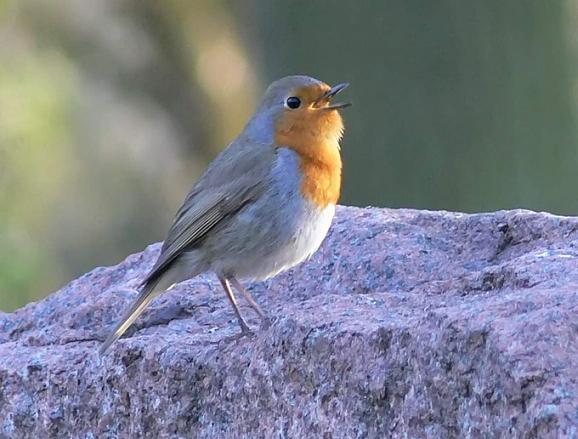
{"x": 237, "y": 177}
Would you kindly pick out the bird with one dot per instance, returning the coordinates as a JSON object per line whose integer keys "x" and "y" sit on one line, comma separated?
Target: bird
{"x": 263, "y": 205}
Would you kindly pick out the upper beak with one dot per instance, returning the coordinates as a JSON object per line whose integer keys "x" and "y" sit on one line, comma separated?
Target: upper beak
{"x": 329, "y": 94}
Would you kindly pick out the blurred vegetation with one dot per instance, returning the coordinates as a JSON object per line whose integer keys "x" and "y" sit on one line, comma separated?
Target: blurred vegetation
{"x": 109, "y": 110}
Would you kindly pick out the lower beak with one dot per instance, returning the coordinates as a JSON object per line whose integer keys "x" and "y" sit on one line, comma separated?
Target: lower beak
{"x": 327, "y": 96}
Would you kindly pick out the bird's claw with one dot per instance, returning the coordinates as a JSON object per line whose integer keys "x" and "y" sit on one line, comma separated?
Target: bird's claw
{"x": 245, "y": 332}
{"x": 265, "y": 323}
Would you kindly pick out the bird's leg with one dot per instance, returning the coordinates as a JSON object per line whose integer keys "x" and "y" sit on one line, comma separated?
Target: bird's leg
{"x": 249, "y": 298}
{"x": 227, "y": 286}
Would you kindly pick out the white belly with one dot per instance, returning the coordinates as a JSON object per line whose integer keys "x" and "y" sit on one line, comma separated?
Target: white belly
{"x": 297, "y": 248}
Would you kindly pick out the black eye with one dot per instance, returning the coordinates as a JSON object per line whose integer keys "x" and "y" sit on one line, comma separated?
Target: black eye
{"x": 293, "y": 102}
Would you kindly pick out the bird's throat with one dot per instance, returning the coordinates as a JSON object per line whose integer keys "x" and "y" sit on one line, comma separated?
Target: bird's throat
{"x": 317, "y": 146}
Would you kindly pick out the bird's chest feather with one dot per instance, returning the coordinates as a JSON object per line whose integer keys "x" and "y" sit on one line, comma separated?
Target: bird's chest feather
{"x": 280, "y": 230}
{"x": 319, "y": 161}
{"x": 306, "y": 219}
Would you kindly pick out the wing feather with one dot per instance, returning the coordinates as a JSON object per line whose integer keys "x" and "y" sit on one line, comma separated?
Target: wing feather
{"x": 212, "y": 201}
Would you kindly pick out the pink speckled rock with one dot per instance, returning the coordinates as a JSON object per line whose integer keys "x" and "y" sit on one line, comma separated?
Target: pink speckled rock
{"x": 405, "y": 324}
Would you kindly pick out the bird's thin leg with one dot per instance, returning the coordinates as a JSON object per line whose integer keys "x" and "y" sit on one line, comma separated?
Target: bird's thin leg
{"x": 227, "y": 286}
{"x": 249, "y": 298}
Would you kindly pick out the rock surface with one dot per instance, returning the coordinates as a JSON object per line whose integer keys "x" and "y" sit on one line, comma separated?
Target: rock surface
{"x": 405, "y": 324}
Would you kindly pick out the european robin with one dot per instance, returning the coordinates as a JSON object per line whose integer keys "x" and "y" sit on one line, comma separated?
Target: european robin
{"x": 263, "y": 205}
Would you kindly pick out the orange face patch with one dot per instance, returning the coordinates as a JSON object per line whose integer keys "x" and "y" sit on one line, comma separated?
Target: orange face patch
{"x": 314, "y": 134}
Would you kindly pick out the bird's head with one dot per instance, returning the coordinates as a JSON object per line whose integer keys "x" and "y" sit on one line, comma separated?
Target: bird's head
{"x": 300, "y": 110}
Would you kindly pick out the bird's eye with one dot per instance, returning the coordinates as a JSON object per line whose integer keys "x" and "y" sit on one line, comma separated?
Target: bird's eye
{"x": 293, "y": 102}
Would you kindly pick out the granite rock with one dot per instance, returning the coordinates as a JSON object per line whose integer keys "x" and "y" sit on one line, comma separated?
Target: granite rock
{"x": 404, "y": 324}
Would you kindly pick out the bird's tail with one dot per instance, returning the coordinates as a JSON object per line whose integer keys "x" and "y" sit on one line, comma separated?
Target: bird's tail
{"x": 147, "y": 294}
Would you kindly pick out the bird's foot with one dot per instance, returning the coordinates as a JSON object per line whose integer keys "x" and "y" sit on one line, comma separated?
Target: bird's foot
{"x": 265, "y": 323}
{"x": 245, "y": 332}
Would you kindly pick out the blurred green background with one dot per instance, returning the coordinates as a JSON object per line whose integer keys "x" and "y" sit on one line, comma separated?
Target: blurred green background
{"x": 109, "y": 110}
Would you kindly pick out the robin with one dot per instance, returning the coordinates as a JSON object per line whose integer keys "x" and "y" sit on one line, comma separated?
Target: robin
{"x": 263, "y": 205}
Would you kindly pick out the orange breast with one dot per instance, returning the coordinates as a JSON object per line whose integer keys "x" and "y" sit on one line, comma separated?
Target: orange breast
{"x": 315, "y": 137}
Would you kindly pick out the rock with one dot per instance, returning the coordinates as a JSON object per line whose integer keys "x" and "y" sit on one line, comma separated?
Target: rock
{"x": 405, "y": 324}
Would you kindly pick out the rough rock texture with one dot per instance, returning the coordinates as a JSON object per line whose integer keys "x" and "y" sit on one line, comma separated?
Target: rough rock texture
{"x": 405, "y": 324}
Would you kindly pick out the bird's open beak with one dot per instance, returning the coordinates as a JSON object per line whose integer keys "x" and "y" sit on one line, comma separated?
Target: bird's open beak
{"x": 328, "y": 95}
